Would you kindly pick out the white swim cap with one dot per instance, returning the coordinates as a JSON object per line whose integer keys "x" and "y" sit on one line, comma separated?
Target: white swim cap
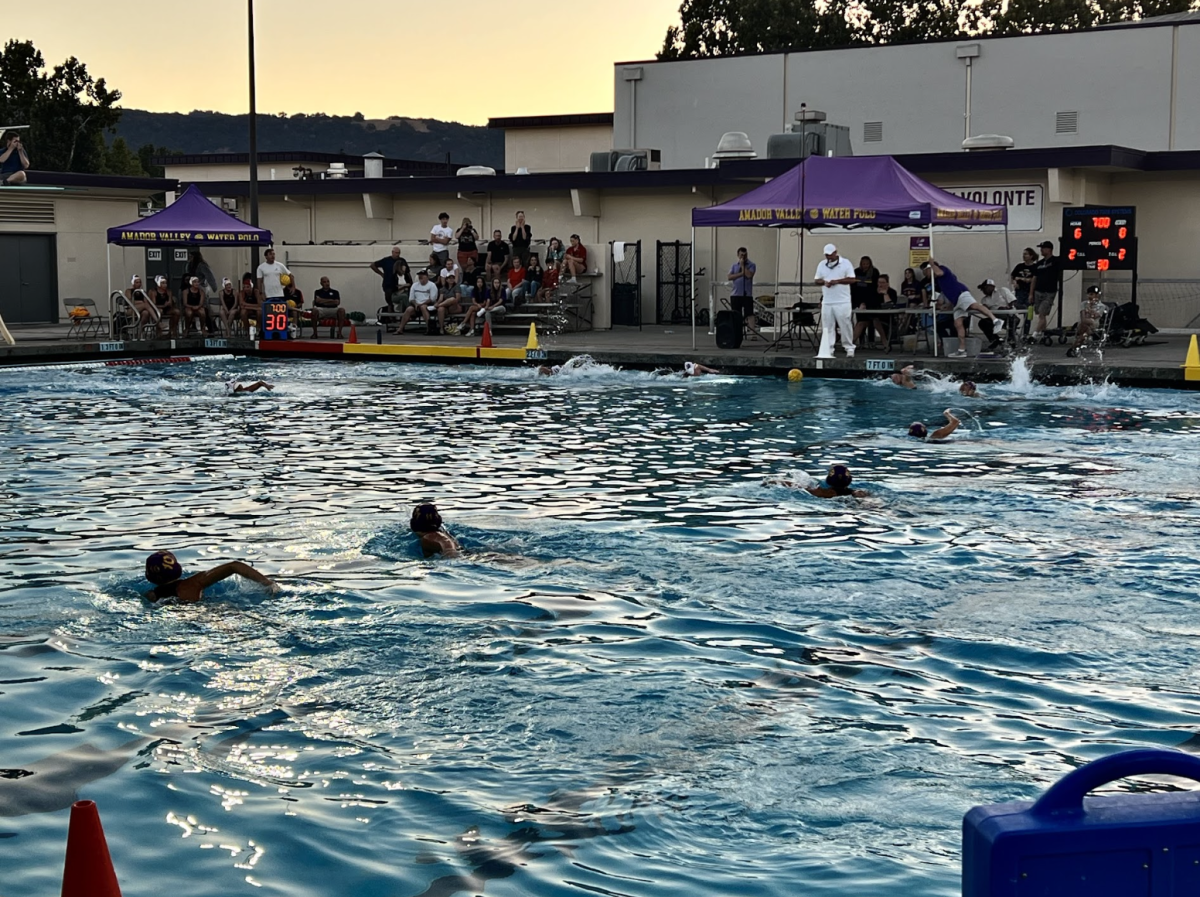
{"x": 160, "y": 280}
{"x": 689, "y": 366}
{"x": 134, "y": 279}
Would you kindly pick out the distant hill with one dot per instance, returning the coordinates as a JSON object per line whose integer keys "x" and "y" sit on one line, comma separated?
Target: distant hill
{"x": 395, "y": 137}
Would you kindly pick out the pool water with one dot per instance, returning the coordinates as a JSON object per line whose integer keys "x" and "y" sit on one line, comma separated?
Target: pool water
{"x": 653, "y": 672}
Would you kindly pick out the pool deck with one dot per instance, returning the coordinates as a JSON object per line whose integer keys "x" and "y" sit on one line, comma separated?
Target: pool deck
{"x": 1160, "y": 363}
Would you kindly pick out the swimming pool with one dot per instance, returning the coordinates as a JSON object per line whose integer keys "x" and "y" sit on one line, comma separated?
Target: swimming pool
{"x": 653, "y": 674}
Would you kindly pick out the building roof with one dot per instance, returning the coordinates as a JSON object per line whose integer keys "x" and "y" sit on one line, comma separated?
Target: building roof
{"x": 1164, "y": 21}
{"x": 77, "y": 181}
{"x": 579, "y": 119}
{"x": 414, "y": 165}
{"x": 747, "y": 172}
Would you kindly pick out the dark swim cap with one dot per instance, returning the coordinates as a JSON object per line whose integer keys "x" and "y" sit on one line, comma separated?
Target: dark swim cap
{"x": 839, "y": 478}
{"x": 918, "y": 430}
{"x": 425, "y": 519}
{"x": 162, "y": 568}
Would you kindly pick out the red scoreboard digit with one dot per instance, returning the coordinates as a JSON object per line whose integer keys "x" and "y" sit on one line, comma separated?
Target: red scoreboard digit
{"x": 275, "y": 319}
{"x": 1099, "y": 239}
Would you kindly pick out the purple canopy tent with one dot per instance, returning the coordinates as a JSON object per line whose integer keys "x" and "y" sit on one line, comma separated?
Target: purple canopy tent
{"x": 192, "y": 220}
{"x": 848, "y": 192}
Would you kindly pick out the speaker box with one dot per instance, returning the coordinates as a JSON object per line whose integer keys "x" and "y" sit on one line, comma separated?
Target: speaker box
{"x": 729, "y": 330}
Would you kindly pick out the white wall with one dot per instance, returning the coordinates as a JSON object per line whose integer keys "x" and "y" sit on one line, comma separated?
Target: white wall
{"x": 1118, "y": 80}
{"x": 566, "y": 148}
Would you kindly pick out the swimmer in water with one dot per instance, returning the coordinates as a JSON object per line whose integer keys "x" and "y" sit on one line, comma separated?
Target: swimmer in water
{"x": 546, "y": 371}
{"x": 837, "y": 484}
{"x": 249, "y": 387}
{"x": 905, "y": 378}
{"x": 694, "y": 369}
{"x": 427, "y": 523}
{"x": 968, "y": 389}
{"x": 165, "y": 571}
{"x": 919, "y": 431}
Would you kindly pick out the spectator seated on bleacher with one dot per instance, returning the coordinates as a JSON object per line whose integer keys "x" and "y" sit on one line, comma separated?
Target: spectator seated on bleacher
{"x": 295, "y": 304}
{"x": 466, "y": 277}
{"x": 449, "y": 269}
{"x": 422, "y": 300}
{"x": 575, "y": 260}
{"x": 516, "y": 281}
{"x": 449, "y": 301}
{"x": 555, "y": 252}
{"x": 489, "y": 305}
{"x": 549, "y": 281}
{"x": 497, "y": 255}
{"x": 533, "y": 278}
{"x": 327, "y": 306}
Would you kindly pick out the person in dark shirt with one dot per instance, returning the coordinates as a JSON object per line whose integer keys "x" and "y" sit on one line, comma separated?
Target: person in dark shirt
{"x": 864, "y": 288}
{"x": 879, "y": 297}
{"x": 388, "y": 269}
{"x": 1046, "y": 275}
{"x": 497, "y": 256}
{"x": 1022, "y": 278}
{"x": 327, "y": 305}
{"x": 468, "y": 247}
{"x": 520, "y": 235}
{"x": 13, "y": 160}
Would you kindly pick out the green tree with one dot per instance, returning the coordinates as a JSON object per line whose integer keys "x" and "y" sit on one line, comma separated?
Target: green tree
{"x": 68, "y": 110}
{"x": 724, "y": 27}
{"x": 146, "y": 153}
{"x": 118, "y": 158}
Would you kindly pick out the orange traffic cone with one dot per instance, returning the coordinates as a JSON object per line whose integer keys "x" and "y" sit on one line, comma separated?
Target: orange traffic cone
{"x": 89, "y": 870}
{"x": 486, "y": 341}
{"x": 353, "y": 333}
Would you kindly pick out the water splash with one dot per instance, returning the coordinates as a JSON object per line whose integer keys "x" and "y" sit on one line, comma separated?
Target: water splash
{"x": 1020, "y": 375}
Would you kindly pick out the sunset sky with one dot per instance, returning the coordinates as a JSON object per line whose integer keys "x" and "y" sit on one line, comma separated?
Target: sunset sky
{"x": 411, "y": 59}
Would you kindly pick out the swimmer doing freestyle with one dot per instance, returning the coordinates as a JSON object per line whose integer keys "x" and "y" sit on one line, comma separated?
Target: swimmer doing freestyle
{"x": 918, "y": 430}
{"x": 837, "y": 484}
{"x": 165, "y": 571}
{"x": 426, "y": 522}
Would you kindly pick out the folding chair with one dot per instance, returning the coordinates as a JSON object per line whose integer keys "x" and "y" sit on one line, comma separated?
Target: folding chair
{"x": 83, "y": 325}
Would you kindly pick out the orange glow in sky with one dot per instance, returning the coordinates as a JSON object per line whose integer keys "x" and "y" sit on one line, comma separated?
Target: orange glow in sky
{"x": 464, "y": 61}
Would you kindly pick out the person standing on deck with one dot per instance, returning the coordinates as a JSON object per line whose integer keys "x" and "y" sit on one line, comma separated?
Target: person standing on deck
{"x": 834, "y": 276}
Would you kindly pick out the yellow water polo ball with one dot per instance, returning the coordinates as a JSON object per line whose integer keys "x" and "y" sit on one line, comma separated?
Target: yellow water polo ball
{"x": 291, "y": 303}
{"x": 285, "y": 279}
{"x": 795, "y": 375}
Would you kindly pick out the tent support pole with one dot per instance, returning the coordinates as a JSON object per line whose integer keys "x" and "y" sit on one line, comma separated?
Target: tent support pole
{"x": 692, "y": 274}
{"x": 112, "y": 325}
{"x": 933, "y": 293}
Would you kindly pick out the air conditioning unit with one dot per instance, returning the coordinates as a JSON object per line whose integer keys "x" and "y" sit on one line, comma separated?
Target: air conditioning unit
{"x": 229, "y": 203}
{"x": 810, "y": 138}
{"x": 626, "y": 160}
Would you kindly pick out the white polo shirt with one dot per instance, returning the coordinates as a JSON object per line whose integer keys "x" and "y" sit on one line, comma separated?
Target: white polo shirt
{"x": 838, "y": 294}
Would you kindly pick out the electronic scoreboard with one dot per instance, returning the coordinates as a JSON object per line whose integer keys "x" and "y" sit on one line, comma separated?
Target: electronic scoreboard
{"x": 274, "y": 316}
{"x": 1096, "y": 238}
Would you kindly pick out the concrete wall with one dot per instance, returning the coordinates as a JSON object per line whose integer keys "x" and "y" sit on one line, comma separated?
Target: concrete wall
{"x": 554, "y": 149}
{"x": 1119, "y": 81}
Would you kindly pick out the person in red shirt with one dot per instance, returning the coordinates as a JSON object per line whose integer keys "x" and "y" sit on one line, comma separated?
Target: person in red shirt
{"x": 576, "y": 259}
{"x": 516, "y": 279}
{"x": 549, "y": 280}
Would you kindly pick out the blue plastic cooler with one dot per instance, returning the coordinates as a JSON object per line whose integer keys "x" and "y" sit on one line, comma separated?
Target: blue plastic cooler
{"x": 1124, "y": 845}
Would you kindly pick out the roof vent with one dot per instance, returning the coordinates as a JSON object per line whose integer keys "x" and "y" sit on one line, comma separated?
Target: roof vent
{"x": 476, "y": 171}
{"x": 735, "y": 145}
{"x": 872, "y": 132}
{"x": 1066, "y": 122}
{"x": 810, "y": 115}
{"x": 336, "y": 170}
{"x": 373, "y": 165}
{"x": 985, "y": 142}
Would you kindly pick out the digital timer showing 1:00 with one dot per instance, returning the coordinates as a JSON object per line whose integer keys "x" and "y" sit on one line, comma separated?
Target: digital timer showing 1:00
{"x": 1099, "y": 239}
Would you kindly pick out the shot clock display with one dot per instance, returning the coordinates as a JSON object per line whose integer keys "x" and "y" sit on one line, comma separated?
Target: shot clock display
{"x": 275, "y": 319}
{"x": 1099, "y": 239}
